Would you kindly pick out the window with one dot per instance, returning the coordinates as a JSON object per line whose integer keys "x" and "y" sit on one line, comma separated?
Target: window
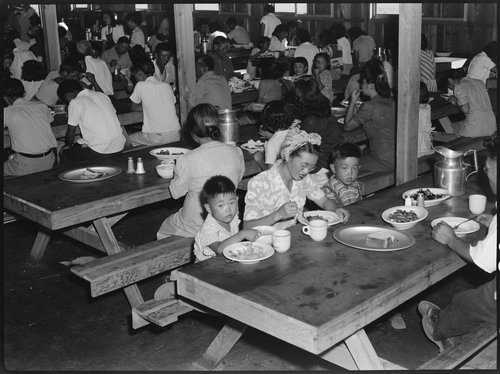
{"x": 383, "y": 9}
{"x": 447, "y": 10}
{"x": 79, "y": 6}
{"x": 213, "y": 7}
{"x": 238, "y": 8}
{"x": 139, "y": 7}
{"x": 297, "y": 8}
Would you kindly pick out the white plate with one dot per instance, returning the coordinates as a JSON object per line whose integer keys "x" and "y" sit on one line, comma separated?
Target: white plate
{"x": 331, "y": 217}
{"x": 78, "y": 176}
{"x": 253, "y": 147}
{"x": 427, "y": 203}
{"x": 178, "y": 150}
{"x": 466, "y": 228}
{"x": 355, "y": 236}
{"x": 248, "y": 252}
{"x": 340, "y": 120}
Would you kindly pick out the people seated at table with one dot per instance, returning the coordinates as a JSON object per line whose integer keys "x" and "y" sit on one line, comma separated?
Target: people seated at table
{"x": 111, "y": 30}
{"x": 343, "y": 45}
{"x": 343, "y": 186}
{"x": 221, "y": 226}
{"x": 97, "y": 67}
{"x": 157, "y": 102}
{"x": 470, "y": 308}
{"x": 261, "y": 50}
{"x": 472, "y": 98}
{"x": 323, "y": 74}
{"x": 237, "y": 34}
{"x": 275, "y": 120}
{"x": 275, "y": 196}
{"x": 210, "y": 88}
{"x": 424, "y": 123}
{"x": 484, "y": 64}
{"x": 28, "y": 123}
{"x": 312, "y": 108}
{"x": 306, "y": 48}
{"x": 326, "y": 43}
{"x": 138, "y": 55}
{"x": 427, "y": 65}
{"x": 377, "y": 116}
{"x": 222, "y": 63}
{"x": 133, "y": 20}
{"x": 279, "y": 43}
{"x": 164, "y": 63}
{"x": 117, "y": 56}
{"x": 268, "y": 22}
{"x": 94, "y": 114}
{"x": 269, "y": 87}
{"x": 202, "y": 32}
{"x": 47, "y": 93}
{"x": 210, "y": 157}
{"x": 362, "y": 46}
{"x": 300, "y": 67}
{"x": 32, "y": 77}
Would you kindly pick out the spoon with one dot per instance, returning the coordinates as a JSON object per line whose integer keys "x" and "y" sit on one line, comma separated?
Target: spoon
{"x": 461, "y": 223}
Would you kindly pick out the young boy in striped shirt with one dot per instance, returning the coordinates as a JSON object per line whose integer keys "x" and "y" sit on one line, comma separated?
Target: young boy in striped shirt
{"x": 221, "y": 227}
{"x": 343, "y": 186}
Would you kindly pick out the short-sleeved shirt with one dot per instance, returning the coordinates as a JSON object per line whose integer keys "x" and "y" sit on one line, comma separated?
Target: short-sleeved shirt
{"x": 110, "y": 54}
{"x": 341, "y": 193}
{"x": 276, "y": 45}
{"x": 378, "y": 117}
{"x": 169, "y": 74}
{"x": 272, "y": 148}
{"x": 308, "y": 51}
{"x": 480, "y": 120}
{"x": 364, "y": 44}
{"x": 344, "y": 45}
{"x": 96, "y": 116}
{"x": 116, "y": 31}
{"x": 480, "y": 66}
{"x": 158, "y": 105}
{"x": 102, "y": 74}
{"x": 484, "y": 252}
{"x": 212, "y": 232}
{"x": 266, "y": 193}
{"x": 240, "y": 35}
{"x": 270, "y": 22}
{"x": 212, "y": 89}
{"x": 28, "y": 123}
{"x": 47, "y": 93}
{"x": 137, "y": 38}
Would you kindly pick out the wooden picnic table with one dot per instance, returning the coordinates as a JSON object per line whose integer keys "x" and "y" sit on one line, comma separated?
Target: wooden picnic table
{"x": 320, "y": 296}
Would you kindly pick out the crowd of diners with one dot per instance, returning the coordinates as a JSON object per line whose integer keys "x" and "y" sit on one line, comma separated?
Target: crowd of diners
{"x": 307, "y": 154}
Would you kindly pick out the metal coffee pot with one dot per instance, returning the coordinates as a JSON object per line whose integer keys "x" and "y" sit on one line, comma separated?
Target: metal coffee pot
{"x": 229, "y": 126}
{"x": 450, "y": 170}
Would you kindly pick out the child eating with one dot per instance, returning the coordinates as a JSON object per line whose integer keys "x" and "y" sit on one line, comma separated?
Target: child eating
{"x": 343, "y": 187}
{"x": 221, "y": 227}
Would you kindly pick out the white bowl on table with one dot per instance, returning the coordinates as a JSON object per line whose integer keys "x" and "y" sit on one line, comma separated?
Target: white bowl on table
{"x": 462, "y": 230}
{"x": 266, "y": 234}
{"x": 168, "y": 153}
{"x": 420, "y": 212}
{"x": 166, "y": 170}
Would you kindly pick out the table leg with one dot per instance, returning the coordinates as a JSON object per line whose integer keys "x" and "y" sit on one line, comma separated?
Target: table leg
{"x": 222, "y": 344}
{"x": 362, "y": 351}
{"x": 112, "y": 246}
{"x": 447, "y": 126}
{"x": 40, "y": 246}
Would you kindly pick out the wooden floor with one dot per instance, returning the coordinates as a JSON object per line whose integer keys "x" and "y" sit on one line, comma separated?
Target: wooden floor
{"x": 51, "y": 323}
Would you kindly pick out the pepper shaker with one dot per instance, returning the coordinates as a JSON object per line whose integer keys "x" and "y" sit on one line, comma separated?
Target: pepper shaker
{"x": 408, "y": 200}
{"x": 420, "y": 199}
{"x": 140, "y": 166}
{"x": 130, "y": 166}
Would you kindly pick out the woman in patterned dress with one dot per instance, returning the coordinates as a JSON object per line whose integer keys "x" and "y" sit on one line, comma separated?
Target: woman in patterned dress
{"x": 427, "y": 66}
{"x": 276, "y": 196}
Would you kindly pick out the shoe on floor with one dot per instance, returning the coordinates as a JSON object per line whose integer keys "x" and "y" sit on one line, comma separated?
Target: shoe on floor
{"x": 426, "y": 308}
{"x": 428, "y": 326}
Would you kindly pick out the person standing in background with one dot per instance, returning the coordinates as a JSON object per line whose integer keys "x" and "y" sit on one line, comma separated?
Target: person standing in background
{"x": 237, "y": 35}
{"x": 343, "y": 45}
{"x": 484, "y": 63}
{"x": 268, "y": 22}
{"x": 111, "y": 31}
{"x": 362, "y": 46}
{"x": 306, "y": 48}
{"x": 133, "y": 21}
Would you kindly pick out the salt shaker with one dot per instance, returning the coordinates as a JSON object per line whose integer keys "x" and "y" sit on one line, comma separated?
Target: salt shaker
{"x": 408, "y": 200}
{"x": 130, "y": 166}
{"x": 420, "y": 199}
{"x": 140, "y": 166}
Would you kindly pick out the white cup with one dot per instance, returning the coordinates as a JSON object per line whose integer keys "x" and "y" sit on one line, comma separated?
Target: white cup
{"x": 317, "y": 229}
{"x": 281, "y": 240}
{"x": 477, "y": 204}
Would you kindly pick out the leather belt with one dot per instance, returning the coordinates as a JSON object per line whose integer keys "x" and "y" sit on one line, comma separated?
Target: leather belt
{"x": 37, "y": 155}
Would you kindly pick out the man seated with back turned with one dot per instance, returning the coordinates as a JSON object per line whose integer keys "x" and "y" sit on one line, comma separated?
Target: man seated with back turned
{"x": 92, "y": 111}
{"x": 31, "y": 137}
{"x": 222, "y": 62}
{"x": 117, "y": 56}
{"x": 470, "y": 308}
{"x": 211, "y": 88}
{"x": 157, "y": 101}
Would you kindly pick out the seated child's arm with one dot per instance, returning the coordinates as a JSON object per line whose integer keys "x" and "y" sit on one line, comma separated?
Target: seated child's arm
{"x": 328, "y": 204}
{"x": 248, "y": 234}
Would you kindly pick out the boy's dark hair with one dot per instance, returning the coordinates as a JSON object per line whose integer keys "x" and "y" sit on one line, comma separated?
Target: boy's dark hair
{"x": 146, "y": 66}
{"x": 123, "y": 39}
{"x": 218, "y": 40}
{"x": 206, "y": 61}
{"x": 69, "y": 65}
{"x": 491, "y": 50}
{"x": 277, "y": 115}
{"x": 13, "y": 88}
{"x": 32, "y": 71}
{"x": 164, "y": 46}
{"x": 303, "y": 35}
{"x": 268, "y": 9}
{"x": 280, "y": 28}
{"x": 301, "y": 60}
{"x": 424, "y": 93}
{"x": 68, "y": 86}
{"x": 135, "y": 17}
{"x": 215, "y": 186}
{"x": 344, "y": 150}
{"x": 262, "y": 40}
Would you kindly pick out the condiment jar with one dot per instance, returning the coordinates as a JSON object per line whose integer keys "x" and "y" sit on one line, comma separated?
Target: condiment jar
{"x": 408, "y": 200}
{"x": 420, "y": 199}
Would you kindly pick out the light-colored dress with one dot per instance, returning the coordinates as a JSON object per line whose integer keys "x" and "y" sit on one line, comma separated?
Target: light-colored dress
{"x": 212, "y": 232}
{"x": 428, "y": 69}
{"x": 190, "y": 174}
{"x": 266, "y": 193}
{"x": 326, "y": 80}
{"x": 480, "y": 67}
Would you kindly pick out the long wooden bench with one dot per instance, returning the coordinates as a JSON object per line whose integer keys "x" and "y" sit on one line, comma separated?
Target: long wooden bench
{"x": 464, "y": 347}
{"x": 117, "y": 271}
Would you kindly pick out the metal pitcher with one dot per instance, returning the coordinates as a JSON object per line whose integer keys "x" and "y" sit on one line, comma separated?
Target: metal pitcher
{"x": 229, "y": 126}
{"x": 450, "y": 170}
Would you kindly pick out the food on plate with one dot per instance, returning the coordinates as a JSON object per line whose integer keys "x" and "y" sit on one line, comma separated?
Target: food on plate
{"x": 254, "y": 144}
{"x": 381, "y": 239}
{"x": 248, "y": 251}
{"x": 428, "y": 195}
{"x": 92, "y": 174}
{"x": 401, "y": 216}
{"x": 166, "y": 152}
{"x": 312, "y": 218}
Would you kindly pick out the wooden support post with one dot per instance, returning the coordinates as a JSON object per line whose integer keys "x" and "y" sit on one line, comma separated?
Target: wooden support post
{"x": 410, "y": 26}
{"x": 51, "y": 36}
{"x": 183, "y": 20}
{"x": 40, "y": 245}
